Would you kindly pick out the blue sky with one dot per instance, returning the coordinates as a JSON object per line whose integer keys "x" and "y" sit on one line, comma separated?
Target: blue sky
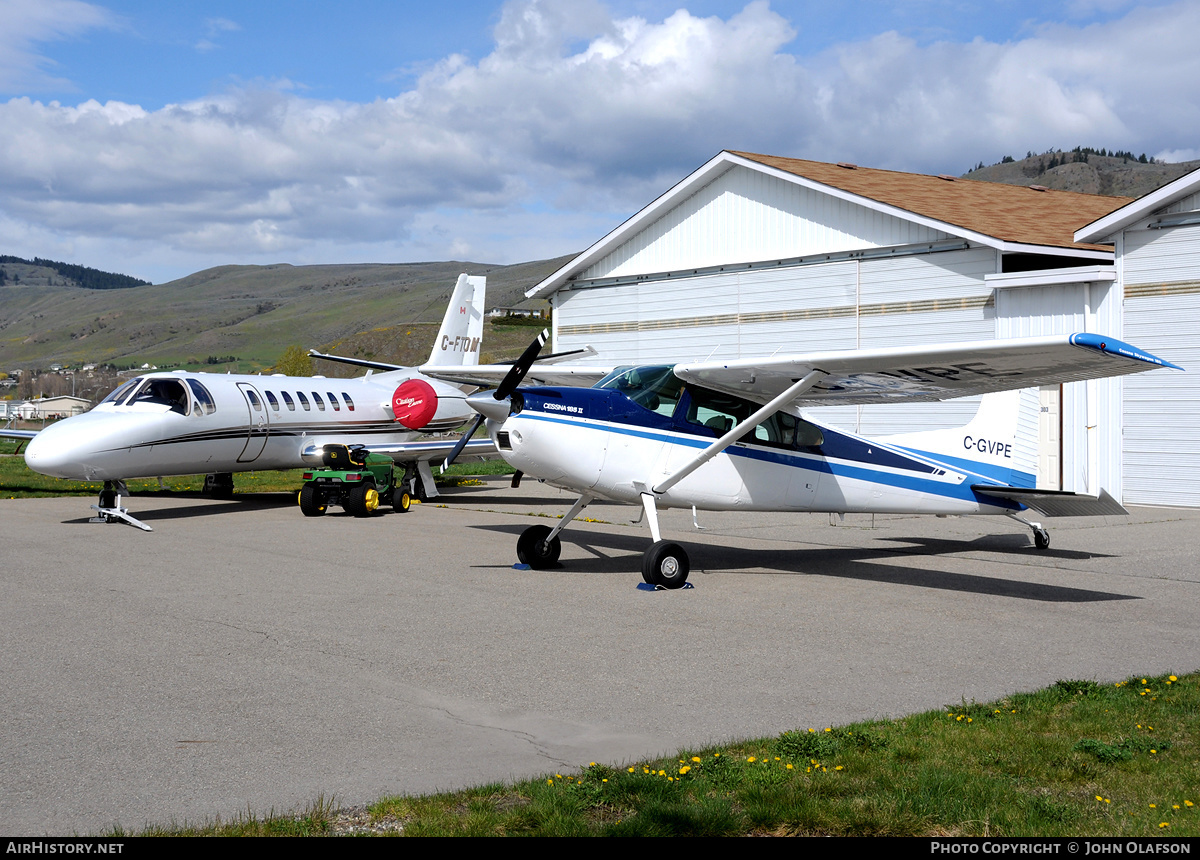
{"x": 161, "y": 138}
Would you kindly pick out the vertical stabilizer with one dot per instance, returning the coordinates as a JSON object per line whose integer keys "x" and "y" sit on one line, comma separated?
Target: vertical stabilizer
{"x": 459, "y": 338}
{"x": 1000, "y": 442}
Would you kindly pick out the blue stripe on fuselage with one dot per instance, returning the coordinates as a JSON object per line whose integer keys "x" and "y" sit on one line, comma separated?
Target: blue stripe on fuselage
{"x": 815, "y": 462}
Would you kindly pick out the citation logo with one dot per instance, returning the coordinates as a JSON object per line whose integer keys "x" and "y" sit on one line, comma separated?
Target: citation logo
{"x": 414, "y": 403}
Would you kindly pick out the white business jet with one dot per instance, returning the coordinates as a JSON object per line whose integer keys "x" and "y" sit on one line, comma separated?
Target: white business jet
{"x": 187, "y": 423}
{"x": 731, "y": 436}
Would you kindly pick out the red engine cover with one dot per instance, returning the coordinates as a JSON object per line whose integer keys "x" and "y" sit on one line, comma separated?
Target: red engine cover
{"x": 414, "y": 403}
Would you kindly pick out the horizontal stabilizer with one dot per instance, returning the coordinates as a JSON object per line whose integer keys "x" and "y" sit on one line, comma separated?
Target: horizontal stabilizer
{"x": 1057, "y": 503}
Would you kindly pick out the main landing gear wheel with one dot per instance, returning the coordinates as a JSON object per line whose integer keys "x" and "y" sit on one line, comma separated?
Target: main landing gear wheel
{"x": 401, "y": 501}
{"x": 1041, "y": 538}
{"x": 311, "y": 504}
{"x": 108, "y": 499}
{"x": 363, "y": 501}
{"x": 665, "y": 564}
{"x": 534, "y": 550}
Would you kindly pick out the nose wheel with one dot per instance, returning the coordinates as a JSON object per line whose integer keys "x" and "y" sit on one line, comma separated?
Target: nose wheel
{"x": 108, "y": 507}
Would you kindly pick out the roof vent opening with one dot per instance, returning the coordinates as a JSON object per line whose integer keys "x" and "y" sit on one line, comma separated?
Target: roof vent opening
{"x": 847, "y": 165}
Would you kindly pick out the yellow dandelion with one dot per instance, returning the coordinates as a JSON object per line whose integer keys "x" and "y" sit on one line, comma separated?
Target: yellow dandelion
{"x": 1098, "y": 797}
{"x": 696, "y": 759}
{"x": 1172, "y": 678}
{"x": 1163, "y": 824}
{"x": 829, "y": 730}
{"x": 684, "y": 769}
{"x": 549, "y": 782}
{"x": 1188, "y": 803}
{"x": 631, "y": 770}
{"x": 839, "y": 767}
{"x": 789, "y": 767}
{"x": 1152, "y": 806}
{"x": 1175, "y": 806}
{"x": 1152, "y": 752}
{"x": 751, "y": 758}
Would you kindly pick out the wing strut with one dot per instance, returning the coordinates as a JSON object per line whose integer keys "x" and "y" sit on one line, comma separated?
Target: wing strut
{"x": 795, "y": 390}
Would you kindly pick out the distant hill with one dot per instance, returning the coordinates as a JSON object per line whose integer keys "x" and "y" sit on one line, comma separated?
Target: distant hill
{"x": 39, "y": 272}
{"x": 1086, "y": 170}
{"x": 244, "y": 317}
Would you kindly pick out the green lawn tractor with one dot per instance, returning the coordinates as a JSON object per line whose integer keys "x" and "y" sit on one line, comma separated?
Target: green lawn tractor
{"x": 355, "y": 479}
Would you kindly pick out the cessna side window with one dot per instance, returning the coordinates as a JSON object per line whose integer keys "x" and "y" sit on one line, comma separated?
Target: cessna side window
{"x": 654, "y": 387}
{"x": 202, "y": 401}
{"x": 333, "y": 401}
{"x": 720, "y": 412}
{"x": 304, "y": 401}
{"x": 271, "y": 399}
{"x": 320, "y": 403}
{"x": 349, "y": 402}
{"x": 122, "y": 391}
{"x": 287, "y": 399}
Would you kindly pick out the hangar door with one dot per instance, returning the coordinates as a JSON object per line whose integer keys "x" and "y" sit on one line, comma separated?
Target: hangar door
{"x": 1162, "y": 408}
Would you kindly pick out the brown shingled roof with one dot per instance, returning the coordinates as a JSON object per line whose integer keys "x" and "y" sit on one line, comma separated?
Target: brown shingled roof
{"x": 1012, "y": 213}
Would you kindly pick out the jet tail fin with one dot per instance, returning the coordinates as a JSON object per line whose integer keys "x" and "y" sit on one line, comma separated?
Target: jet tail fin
{"x": 459, "y": 338}
{"x": 1000, "y": 442}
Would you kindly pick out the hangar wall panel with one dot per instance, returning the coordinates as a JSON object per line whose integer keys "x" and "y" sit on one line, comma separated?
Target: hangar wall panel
{"x": 745, "y": 216}
{"x": 1161, "y": 273}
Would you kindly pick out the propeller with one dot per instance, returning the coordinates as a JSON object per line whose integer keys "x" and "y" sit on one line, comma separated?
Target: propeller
{"x": 493, "y": 404}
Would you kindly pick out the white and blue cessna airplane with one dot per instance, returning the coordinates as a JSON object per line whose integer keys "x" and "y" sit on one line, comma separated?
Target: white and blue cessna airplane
{"x": 731, "y": 436}
{"x": 187, "y": 423}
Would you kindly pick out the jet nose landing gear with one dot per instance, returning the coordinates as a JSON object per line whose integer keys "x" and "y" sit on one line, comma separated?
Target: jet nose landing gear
{"x": 108, "y": 506}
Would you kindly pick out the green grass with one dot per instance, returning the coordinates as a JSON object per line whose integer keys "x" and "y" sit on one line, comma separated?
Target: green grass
{"x": 18, "y": 481}
{"x": 1076, "y": 759}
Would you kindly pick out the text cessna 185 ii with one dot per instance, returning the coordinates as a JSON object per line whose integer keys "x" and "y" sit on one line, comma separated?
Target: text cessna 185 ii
{"x": 184, "y": 423}
{"x": 720, "y": 435}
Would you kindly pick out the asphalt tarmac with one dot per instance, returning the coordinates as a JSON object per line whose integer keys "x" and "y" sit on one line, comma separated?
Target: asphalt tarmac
{"x": 242, "y": 657}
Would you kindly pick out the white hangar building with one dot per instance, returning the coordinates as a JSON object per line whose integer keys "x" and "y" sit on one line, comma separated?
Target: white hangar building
{"x": 754, "y": 255}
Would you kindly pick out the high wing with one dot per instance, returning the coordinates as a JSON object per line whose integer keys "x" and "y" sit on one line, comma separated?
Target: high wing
{"x": 925, "y": 373}
{"x": 5, "y": 433}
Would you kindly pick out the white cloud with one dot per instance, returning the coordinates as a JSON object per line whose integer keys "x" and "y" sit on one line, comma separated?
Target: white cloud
{"x": 573, "y": 121}
{"x": 26, "y": 23}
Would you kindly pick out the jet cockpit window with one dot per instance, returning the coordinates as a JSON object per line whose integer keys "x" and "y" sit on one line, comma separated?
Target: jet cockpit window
{"x": 165, "y": 392}
{"x": 653, "y": 387}
{"x": 202, "y": 401}
{"x": 118, "y": 394}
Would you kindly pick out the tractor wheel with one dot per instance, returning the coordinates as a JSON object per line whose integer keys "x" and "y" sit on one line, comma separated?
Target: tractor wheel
{"x": 311, "y": 503}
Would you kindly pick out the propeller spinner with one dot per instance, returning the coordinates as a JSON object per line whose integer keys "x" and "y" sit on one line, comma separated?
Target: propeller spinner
{"x": 497, "y": 404}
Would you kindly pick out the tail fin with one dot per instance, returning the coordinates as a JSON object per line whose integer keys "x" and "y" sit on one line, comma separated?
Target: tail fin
{"x": 1001, "y": 442}
{"x": 459, "y": 338}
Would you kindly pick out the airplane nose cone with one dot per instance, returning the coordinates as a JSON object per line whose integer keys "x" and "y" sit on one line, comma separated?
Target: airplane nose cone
{"x": 488, "y": 406}
{"x": 46, "y": 453}
{"x": 71, "y": 448}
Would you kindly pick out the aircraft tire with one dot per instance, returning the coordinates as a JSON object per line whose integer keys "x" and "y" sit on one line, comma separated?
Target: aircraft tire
{"x": 665, "y": 564}
{"x": 533, "y": 549}
{"x": 108, "y": 499}
{"x": 311, "y": 503}
{"x": 363, "y": 501}
{"x": 401, "y": 501}
{"x": 1041, "y": 539}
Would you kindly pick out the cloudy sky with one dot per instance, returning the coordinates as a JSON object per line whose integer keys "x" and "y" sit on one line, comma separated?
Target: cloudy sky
{"x": 157, "y": 139}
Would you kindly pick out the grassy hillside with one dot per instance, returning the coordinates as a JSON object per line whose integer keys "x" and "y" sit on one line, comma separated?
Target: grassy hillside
{"x": 389, "y": 312}
{"x": 1099, "y": 174}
